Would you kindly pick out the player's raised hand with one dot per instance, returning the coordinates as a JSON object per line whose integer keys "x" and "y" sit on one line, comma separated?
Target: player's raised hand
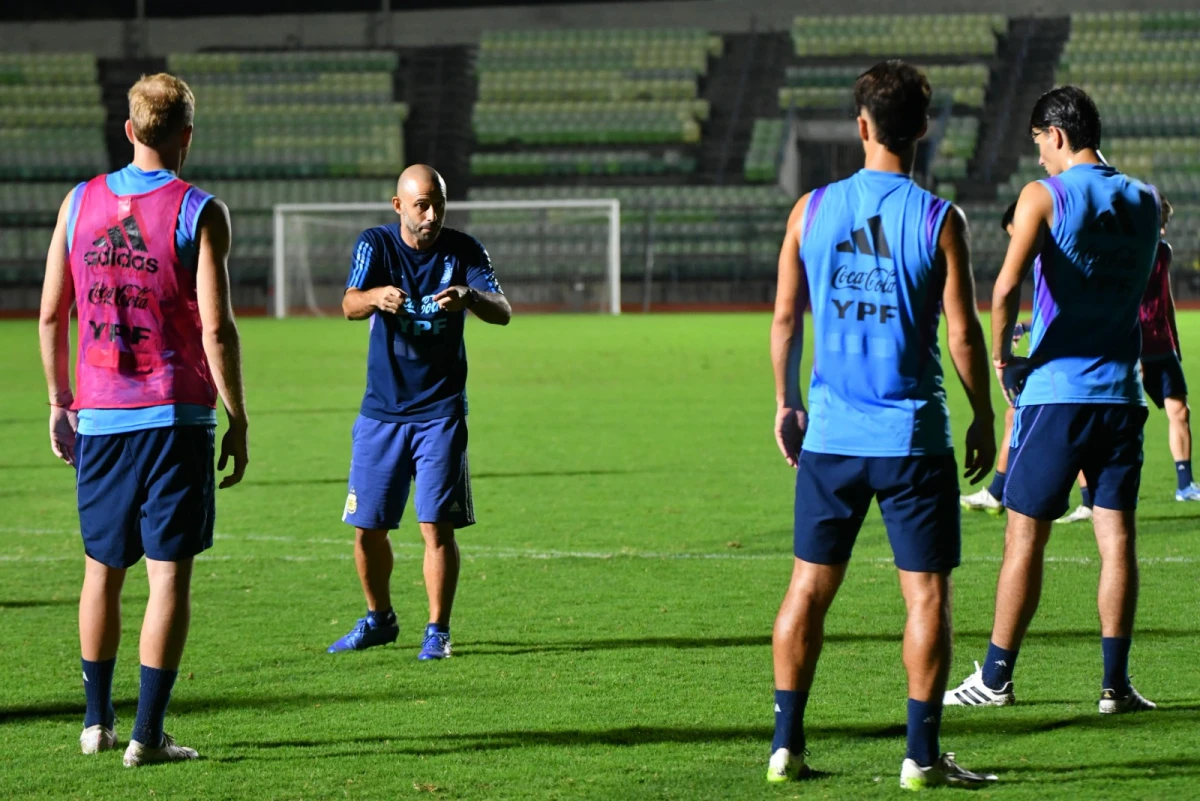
{"x": 454, "y": 298}
{"x": 63, "y": 424}
{"x": 234, "y": 444}
{"x": 389, "y": 298}
{"x": 981, "y": 451}
{"x": 790, "y": 425}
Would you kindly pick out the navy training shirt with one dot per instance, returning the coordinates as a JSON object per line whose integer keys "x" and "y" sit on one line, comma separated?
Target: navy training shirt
{"x": 416, "y": 359}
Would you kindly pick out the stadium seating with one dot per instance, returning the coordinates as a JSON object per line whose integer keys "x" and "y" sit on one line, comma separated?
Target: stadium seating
{"x": 1142, "y": 70}
{"x": 815, "y": 87}
{"x": 51, "y": 136}
{"x": 698, "y": 232}
{"x": 762, "y": 158}
{"x": 303, "y": 114}
{"x": 587, "y": 162}
{"x": 292, "y": 127}
{"x": 906, "y": 35}
{"x": 828, "y": 87}
{"x": 587, "y": 88}
{"x": 51, "y": 117}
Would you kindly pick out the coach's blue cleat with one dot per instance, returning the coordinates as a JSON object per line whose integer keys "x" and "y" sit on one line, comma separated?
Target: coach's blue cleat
{"x": 367, "y": 633}
{"x": 436, "y": 644}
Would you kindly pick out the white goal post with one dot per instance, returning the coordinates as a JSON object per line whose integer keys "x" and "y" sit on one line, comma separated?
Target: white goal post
{"x": 553, "y": 254}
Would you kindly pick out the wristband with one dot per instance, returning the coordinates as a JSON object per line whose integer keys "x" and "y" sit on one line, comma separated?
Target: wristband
{"x": 472, "y": 296}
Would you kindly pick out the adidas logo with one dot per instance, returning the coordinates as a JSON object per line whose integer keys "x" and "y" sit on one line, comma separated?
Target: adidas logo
{"x": 116, "y": 235}
{"x": 777, "y": 709}
{"x": 860, "y": 243}
{"x": 121, "y": 245}
{"x": 1001, "y": 663}
{"x": 454, "y": 507}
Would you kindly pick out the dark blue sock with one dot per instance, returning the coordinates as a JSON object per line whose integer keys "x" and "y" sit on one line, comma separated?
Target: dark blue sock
{"x": 437, "y": 628}
{"x": 789, "y": 720}
{"x": 382, "y": 617}
{"x": 1183, "y": 471}
{"x": 924, "y": 725}
{"x": 998, "y": 666}
{"x": 1086, "y": 494}
{"x": 97, "y": 686}
{"x": 153, "y": 697}
{"x": 996, "y": 490}
{"x": 1116, "y": 663}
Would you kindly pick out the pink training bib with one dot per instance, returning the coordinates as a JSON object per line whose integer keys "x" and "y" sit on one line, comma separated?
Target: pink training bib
{"x": 140, "y": 341}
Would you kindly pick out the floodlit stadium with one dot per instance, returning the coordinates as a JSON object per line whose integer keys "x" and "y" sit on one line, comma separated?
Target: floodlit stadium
{"x": 630, "y": 168}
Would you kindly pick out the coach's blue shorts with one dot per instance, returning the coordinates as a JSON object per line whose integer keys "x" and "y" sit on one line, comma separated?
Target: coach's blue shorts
{"x": 1051, "y": 444}
{"x": 385, "y": 459}
{"x": 918, "y": 496}
{"x": 1162, "y": 376}
{"x": 146, "y": 492}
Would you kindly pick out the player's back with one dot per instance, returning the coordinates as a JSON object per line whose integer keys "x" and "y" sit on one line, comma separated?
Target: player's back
{"x": 869, "y": 249}
{"x": 1088, "y": 284}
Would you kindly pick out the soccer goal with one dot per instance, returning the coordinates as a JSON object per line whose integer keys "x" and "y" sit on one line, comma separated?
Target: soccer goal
{"x": 556, "y": 255}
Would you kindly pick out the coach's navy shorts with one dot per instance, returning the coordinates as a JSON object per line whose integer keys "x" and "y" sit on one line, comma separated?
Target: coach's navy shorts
{"x": 1162, "y": 376}
{"x": 1052, "y": 443}
{"x": 918, "y": 496}
{"x": 385, "y": 459}
{"x": 146, "y": 492}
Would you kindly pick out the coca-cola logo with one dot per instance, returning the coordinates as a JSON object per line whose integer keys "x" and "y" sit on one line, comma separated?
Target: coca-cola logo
{"x": 124, "y": 296}
{"x": 876, "y": 279}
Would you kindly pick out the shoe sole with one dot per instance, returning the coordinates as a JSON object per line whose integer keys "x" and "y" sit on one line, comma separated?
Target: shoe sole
{"x": 987, "y": 510}
{"x": 792, "y": 775}
{"x": 1117, "y": 710}
{"x": 138, "y": 762}
{"x": 330, "y": 649}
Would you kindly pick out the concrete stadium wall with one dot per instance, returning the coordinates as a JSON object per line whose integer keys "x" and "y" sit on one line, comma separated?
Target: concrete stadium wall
{"x": 114, "y": 38}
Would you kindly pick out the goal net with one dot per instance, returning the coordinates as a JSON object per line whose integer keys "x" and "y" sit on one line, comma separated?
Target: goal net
{"x": 556, "y": 255}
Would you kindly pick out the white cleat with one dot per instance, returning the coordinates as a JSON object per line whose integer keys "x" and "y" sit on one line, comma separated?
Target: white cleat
{"x": 1080, "y": 514}
{"x": 785, "y": 766}
{"x": 973, "y": 692}
{"x": 95, "y": 739}
{"x": 1113, "y": 704}
{"x": 138, "y": 754}
{"x": 1190, "y": 493}
{"x": 982, "y": 501}
{"x": 943, "y": 773}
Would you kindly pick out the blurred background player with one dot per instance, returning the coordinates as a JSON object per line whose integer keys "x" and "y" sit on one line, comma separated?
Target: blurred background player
{"x": 415, "y": 281}
{"x": 990, "y": 499}
{"x": 879, "y": 257}
{"x": 1162, "y": 368}
{"x": 1078, "y": 396}
{"x": 142, "y": 255}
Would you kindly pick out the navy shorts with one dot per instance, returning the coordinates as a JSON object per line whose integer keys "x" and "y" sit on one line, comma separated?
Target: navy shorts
{"x": 146, "y": 493}
{"x": 1162, "y": 376}
{"x": 1051, "y": 444}
{"x": 387, "y": 457}
{"x": 918, "y": 496}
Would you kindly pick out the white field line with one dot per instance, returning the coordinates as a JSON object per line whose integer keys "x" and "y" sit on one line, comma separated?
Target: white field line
{"x": 492, "y": 552}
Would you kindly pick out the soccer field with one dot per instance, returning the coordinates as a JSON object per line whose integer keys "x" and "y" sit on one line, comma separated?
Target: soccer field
{"x": 613, "y": 623}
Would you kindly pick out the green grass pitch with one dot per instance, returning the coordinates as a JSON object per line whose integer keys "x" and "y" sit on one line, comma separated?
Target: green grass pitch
{"x": 613, "y": 624}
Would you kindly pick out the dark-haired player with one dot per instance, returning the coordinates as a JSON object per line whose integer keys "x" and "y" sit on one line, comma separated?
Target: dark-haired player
{"x": 1079, "y": 400}
{"x": 879, "y": 258}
